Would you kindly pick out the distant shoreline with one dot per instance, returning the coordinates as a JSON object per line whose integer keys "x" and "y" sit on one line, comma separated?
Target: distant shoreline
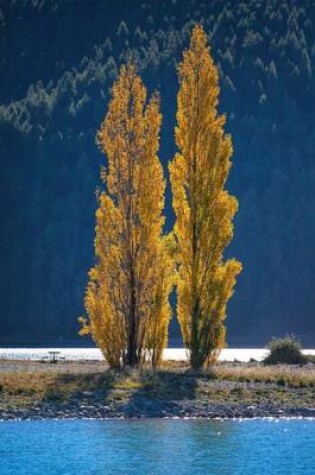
{"x": 94, "y": 354}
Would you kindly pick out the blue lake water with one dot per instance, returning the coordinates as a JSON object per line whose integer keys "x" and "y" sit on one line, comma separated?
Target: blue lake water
{"x": 156, "y": 447}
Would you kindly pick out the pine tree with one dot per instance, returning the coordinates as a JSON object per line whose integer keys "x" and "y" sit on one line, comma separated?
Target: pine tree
{"x": 133, "y": 268}
{"x": 204, "y": 209}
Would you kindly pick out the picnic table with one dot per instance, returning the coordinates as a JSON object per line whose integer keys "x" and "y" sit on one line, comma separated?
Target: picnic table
{"x": 53, "y": 356}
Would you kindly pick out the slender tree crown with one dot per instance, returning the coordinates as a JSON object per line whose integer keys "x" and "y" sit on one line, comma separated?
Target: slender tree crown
{"x": 127, "y": 296}
{"x": 204, "y": 209}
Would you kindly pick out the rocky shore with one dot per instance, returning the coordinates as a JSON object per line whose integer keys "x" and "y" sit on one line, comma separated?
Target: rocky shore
{"x": 67, "y": 391}
{"x": 146, "y": 408}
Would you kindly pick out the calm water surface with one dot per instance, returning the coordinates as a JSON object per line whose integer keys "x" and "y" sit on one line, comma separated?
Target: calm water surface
{"x": 162, "y": 446}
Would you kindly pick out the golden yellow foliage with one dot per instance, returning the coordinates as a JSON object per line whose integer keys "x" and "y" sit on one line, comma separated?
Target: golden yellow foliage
{"x": 128, "y": 291}
{"x": 160, "y": 307}
{"x": 203, "y": 207}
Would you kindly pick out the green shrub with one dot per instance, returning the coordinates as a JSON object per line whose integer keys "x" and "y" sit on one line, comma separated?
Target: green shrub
{"x": 286, "y": 350}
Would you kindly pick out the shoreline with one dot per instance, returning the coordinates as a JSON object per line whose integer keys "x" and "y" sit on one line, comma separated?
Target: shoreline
{"x": 242, "y": 355}
{"x": 81, "y": 390}
{"x": 226, "y": 412}
{"x": 175, "y": 418}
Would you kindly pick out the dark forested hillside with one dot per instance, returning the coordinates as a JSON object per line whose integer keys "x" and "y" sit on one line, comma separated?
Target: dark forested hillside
{"x": 58, "y": 59}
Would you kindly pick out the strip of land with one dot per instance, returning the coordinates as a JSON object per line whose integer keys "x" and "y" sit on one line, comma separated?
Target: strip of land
{"x": 169, "y": 354}
{"x": 34, "y": 390}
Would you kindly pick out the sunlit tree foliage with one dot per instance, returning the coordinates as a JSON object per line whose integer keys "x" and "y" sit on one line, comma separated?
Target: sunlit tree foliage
{"x": 204, "y": 209}
{"x": 127, "y": 295}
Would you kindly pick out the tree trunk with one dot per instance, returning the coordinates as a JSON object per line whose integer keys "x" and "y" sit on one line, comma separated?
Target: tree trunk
{"x": 132, "y": 359}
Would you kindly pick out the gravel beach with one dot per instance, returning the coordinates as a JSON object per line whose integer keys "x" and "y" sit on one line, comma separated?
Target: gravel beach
{"x": 34, "y": 390}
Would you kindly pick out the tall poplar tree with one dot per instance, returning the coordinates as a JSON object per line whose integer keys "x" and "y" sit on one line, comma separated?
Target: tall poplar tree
{"x": 204, "y": 209}
{"x": 127, "y": 295}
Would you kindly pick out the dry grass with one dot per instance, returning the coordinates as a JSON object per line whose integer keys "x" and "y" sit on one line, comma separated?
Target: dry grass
{"x": 293, "y": 376}
{"x": 227, "y": 383}
{"x": 73, "y": 367}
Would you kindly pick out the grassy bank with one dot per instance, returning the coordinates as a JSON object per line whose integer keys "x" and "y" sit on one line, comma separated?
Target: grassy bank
{"x": 77, "y": 385}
